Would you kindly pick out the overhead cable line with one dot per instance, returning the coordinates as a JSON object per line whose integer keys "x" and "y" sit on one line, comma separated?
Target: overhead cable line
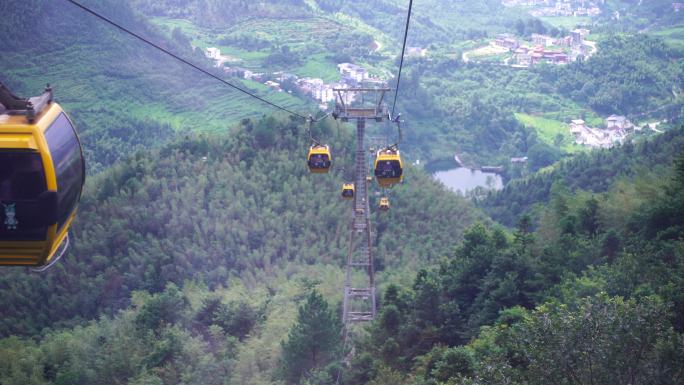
{"x": 244, "y": 91}
{"x": 403, "y": 50}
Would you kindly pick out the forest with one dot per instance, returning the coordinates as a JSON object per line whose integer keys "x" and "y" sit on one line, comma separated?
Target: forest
{"x": 596, "y": 172}
{"x": 479, "y": 102}
{"x": 250, "y": 212}
{"x": 204, "y": 252}
{"x": 595, "y": 290}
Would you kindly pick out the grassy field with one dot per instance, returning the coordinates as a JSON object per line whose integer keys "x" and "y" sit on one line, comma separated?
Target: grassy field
{"x": 318, "y": 66}
{"x": 567, "y": 22}
{"x": 549, "y": 130}
{"x": 673, "y": 36}
{"x": 289, "y": 31}
{"x": 301, "y": 35}
{"x": 197, "y": 35}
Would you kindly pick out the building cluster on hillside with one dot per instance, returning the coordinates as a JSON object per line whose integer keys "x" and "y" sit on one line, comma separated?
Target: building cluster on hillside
{"x": 546, "y": 48}
{"x": 575, "y": 8}
{"x": 352, "y": 75}
{"x": 618, "y": 128}
{"x": 416, "y": 52}
{"x": 677, "y": 7}
{"x": 214, "y": 54}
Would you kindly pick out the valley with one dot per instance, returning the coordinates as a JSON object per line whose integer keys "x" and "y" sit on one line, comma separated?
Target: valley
{"x": 205, "y": 252}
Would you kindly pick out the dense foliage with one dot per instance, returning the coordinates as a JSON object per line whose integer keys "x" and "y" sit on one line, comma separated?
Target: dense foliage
{"x": 220, "y": 13}
{"x": 596, "y": 171}
{"x": 469, "y": 108}
{"x": 204, "y": 254}
{"x": 314, "y": 341}
{"x": 585, "y": 299}
{"x": 208, "y": 208}
{"x": 162, "y": 339}
{"x": 123, "y": 95}
{"x": 630, "y": 75}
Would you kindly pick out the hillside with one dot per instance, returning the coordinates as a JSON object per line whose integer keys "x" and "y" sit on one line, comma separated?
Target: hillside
{"x": 170, "y": 216}
{"x": 593, "y": 296}
{"x": 594, "y": 172}
{"x": 449, "y": 105}
{"x": 123, "y": 95}
{"x": 204, "y": 252}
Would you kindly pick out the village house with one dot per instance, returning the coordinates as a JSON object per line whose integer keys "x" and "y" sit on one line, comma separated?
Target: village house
{"x": 507, "y": 41}
{"x": 564, "y": 41}
{"x": 352, "y": 72}
{"x": 560, "y": 58}
{"x": 416, "y": 52}
{"x": 563, "y": 9}
{"x": 283, "y": 76}
{"x": 576, "y": 37}
{"x": 307, "y": 85}
{"x": 593, "y": 11}
{"x": 273, "y": 85}
{"x": 677, "y": 6}
{"x": 583, "y": 32}
{"x": 595, "y": 137}
{"x": 213, "y": 53}
{"x": 259, "y": 76}
{"x": 232, "y": 71}
{"x": 324, "y": 93}
{"x": 247, "y": 74}
{"x": 615, "y": 122}
{"x": 522, "y": 57}
{"x": 543, "y": 40}
{"x": 536, "y": 57}
{"x": 519, "y": 160}
{"x": 576, "y": 127}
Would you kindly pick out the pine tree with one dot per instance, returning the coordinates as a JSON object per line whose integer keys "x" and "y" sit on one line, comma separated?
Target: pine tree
{"x": 313, "y": 341}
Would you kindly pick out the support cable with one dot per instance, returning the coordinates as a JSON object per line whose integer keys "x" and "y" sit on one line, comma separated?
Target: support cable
{"x": 244, "y": 91}
{"x": 403, "y": 50}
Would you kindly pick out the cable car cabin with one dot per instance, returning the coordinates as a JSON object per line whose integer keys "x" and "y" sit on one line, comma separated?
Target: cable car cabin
{"x": 389, "y": 168}
{"x": 42, "y": 172}
{"x": 384, "y": 204}
{"x": 319, "y": 159}
{"x": 348, "y": 191}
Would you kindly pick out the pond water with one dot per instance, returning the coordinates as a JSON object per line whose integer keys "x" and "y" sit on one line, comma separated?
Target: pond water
{"x": 464, "y": 179}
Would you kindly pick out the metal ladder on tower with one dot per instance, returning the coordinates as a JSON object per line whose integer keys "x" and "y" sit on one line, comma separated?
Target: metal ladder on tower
{"x": 359, "y": 294}
{"x": 359, "y": 284}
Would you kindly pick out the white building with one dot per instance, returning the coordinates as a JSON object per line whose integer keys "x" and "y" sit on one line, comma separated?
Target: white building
{"x": 615, "y": 122}
{"x": 543, "y": 40}
{"x": 213, "y": 53}
{"x": 353, "y": 71}
{"x": 273, "y": 85}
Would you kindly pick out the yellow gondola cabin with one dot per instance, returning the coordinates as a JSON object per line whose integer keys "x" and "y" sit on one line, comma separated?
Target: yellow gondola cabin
{"x": 384, "y": 204}
{"x": 389, "y": 168}
{"x": 42, "y": 172}
{"x": 348, "y": 191}
{"x": 319, "y": 159}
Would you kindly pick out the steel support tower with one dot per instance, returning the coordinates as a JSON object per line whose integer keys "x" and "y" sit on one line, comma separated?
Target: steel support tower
{"x": 359, "y": 284}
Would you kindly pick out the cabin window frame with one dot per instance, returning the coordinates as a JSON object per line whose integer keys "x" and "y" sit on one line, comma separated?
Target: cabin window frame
{"x": 19, "y": 203}
{"x": 67, "y": 158}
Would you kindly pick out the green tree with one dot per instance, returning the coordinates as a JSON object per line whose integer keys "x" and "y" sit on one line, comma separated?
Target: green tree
{"x": 603, "y": 341}
{"x": 314, "y": 340}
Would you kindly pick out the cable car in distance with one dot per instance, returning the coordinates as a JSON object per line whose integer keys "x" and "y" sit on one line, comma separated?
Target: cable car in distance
{"x": 42, "y": 172}
{"x": 348, "y": 191}
{"x": 384, "y": 204}
{"x": 319, "y": 159}
{"x": 389, "y": 168}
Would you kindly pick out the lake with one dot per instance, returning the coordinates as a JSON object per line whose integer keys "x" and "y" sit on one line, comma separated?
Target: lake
{"x": 464, "y": 179}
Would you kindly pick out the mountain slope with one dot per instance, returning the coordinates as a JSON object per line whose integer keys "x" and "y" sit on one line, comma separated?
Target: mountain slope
{"x": 123, "y": 95}
{"x": 209, "y": 208}
{"x": 595, "y": 172}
